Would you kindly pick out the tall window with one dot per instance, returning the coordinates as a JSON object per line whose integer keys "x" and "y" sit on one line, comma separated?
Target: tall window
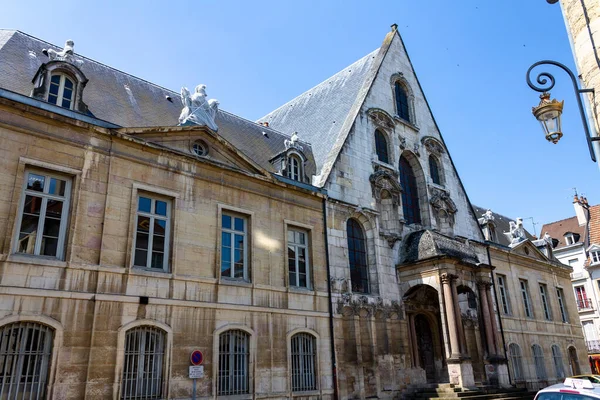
{"x": 234, "y": 261}
{"x": 538, "y": 359}
{"x": 582, "y": 300}
{"x": 25, "y": 353}
{"x": 561, "y": 304}
{"x": 410, "y": 194}
{"x": 298, "y": 264}
{"x": 304, "y": 354}
{"x": 357, "y": 254}
{"x": 61, "y": 91}
{"x": 570, "y": 239}
{"x": 434, "y": 170}
{"x": 526, "y": 301}
{"x": 558, "y": 362}
{"x": 143, "y": 366}
{"x": 402, "y": 102}
{"x": 152, "y": 233}
{"x": 234, "y": 355}
{"x": 45, "y": 207}
{"x": 504, "y": 299}
{"x": 294, "y": 168}
{"x": 595, "y": 257}
{"x": 516, "y": 361}
{"x": 545, "y": 302}
{"x": 381, "y": 147}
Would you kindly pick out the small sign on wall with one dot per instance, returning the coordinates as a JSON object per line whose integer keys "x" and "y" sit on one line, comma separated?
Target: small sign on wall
{"x": 196, "y": 371}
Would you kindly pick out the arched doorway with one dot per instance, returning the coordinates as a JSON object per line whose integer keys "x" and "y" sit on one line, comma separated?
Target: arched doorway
{"x": 425, "y": 346}
{"x": 574, "y": 362}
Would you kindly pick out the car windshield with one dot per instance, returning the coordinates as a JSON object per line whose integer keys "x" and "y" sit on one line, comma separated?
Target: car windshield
{"x": 563, "y": 396}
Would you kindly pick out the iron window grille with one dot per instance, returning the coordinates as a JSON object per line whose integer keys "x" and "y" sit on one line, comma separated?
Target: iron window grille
{"x": 234, "y": 259}
{"x": 526, "y": 302}
{"x": 294, "y": 168}
{"x": 298, "y": 260}
{"x": 304, "y": 355}
{"x": 538, "y": 359}
{"x": 545, "y": 302}
{"x": 25, "y": 353}
{"x": 44, "y": 214}
{"x": 357, "y": 254}
{"x": 152, "y": 233}
{"x": 504, "y": 299}
{"x": 402, "y": 102}
{"x": 234, "y": 354}
{"x": 381, "y": 147}
{"x": 561, "y": 305}
{"x": 410, "y": 193}
{"x": 558, "y": 362}
{"x": 144, "y": 364}
{"x": 516, "y": 361}
{"x": 61, "y": 91}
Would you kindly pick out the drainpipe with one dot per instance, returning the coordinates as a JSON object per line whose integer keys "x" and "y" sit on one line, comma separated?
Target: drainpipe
{"x": 499, "y": 317}
{"x": 333, "y": 361}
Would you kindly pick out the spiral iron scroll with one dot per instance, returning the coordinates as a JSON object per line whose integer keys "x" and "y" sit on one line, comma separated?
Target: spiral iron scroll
{"x": 543, "y": 77}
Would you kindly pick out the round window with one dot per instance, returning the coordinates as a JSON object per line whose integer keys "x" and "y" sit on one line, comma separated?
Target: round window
{"x": 200, "y": 148}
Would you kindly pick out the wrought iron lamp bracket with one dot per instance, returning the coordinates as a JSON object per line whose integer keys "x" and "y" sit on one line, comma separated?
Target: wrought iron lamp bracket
{"x": 543, "y": 86}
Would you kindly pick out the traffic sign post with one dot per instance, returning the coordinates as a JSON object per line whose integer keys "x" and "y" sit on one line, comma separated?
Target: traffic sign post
{"x": 196, "y": 370}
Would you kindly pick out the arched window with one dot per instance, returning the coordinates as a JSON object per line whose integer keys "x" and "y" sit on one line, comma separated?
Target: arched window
{"x": 357, "y": 253}
{"x": 410, "y": 195}
{"x": 304, "y": 354}
{"x": 144, "y": 363}
{"x": 381, "y": 147}
{"x": 538, "y": 359}
{"x": 434, "y": 170}
{"x": 61, "y": 91}
{"x": 558, "y": 362}
{"x": 402, "y": 102}
{"x": 25, "y": 352}
{"x": 234, "y": 355}
{"x": 516, "y": 361}
{"x": 294, "y": 168}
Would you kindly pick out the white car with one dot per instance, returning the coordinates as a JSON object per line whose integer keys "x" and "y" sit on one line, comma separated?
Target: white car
{"x": 571, "y": 389}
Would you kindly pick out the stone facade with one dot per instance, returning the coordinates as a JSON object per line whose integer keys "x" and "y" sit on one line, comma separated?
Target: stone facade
{"x": 93, "y": 296}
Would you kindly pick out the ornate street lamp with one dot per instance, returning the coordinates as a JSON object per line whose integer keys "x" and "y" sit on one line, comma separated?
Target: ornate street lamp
{"x": 548, "y": 112}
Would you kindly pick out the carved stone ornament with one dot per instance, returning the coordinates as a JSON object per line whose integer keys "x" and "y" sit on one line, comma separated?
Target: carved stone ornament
{"x": 417, "y": 149}
{"x": 441, "y": 201}
{"x": 447, "y": 278}
{"x": 516, "y": 232}
{"x": 483, "y": 284}
{"x": 66, "y": 54}
{"x": 391, "y": 238}
{"x": 366, "y": 306}
{"x": 292, "y": 143}
{"x": 381, "y": 119}
{"x": 197, "y": 110}
{"x": 402, "y": 142}
{"x": 386, "y": 180}
{"x": 432, "y": 145}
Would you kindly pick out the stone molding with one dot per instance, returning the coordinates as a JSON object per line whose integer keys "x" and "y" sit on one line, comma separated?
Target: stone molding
{"x": 441, "y": 201}
{"x": 381, "y": 119}
{"x": 432, "y": 145}
{"x": 447, "y": 278}
{"x": 383, "y": 179}
{"x": 361, "y": 305}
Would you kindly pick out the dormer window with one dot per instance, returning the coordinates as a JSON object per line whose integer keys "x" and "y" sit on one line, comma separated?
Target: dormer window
{"x": 61, "y": 91}
{"x": 595, "y": 256}
{"x": 571, "y": 238}
{"x": 294, "y": 168}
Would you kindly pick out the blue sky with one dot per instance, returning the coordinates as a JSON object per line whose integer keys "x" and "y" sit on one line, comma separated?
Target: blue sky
{"x": 470, "y": 56}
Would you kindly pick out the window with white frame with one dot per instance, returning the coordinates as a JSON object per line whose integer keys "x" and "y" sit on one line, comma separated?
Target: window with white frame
{"x": 526, "y": 301}
{"x": 44, "y": 213}
{"x": 61, "y": 91}
{"x": 538, "y": 359}
{"x": 298, "y": 260}
{"x": 234, "y": 355}
{"x": 582, "y": 300}
{"x": 569, "y": 239}
{"x": 558, "y": 362}
{"x": 595, "y": 256}
{"x": 152, "y": 236}
{"x": 143, "y": 364}
{"x": 25, "y": 354}
{"x": 545, "y": 302}
{"x": 303, "y": 357}
{"x": 573, "y": 261}
{"x": 234, "y": 245}
{"x": 504, "y": 299}
{"x": 516, "y": 361}
{"x": 561, "y": 304}
{"x": 294, "y": 168}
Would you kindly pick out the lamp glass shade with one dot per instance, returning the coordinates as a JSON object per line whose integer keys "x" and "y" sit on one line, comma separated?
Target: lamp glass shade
{"x": 549, "y": 114}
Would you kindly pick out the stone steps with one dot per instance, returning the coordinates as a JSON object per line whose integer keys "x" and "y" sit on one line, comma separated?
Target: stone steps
{"x": 448, "y": 391}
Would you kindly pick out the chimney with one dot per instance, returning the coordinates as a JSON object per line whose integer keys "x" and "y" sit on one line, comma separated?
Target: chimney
{"x": 581, "y": 209}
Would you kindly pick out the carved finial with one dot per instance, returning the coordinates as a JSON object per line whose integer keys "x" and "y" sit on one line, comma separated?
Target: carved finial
{"x": 394, "y": 27}
{"x": 197, "y": 110}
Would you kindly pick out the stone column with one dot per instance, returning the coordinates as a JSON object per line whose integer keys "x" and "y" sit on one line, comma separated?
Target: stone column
{"x": 461, "y": 330}
{"x": 495, "y": 332}
{"x": 483, "y": 286}
{"x": 413, "y": 340}
{"x": 447, "y": 280}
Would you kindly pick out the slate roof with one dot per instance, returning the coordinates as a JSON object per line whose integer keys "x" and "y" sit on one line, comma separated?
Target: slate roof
{"x": 319, "y": 114}
{"x": 558, "y": 229}
{"x": 129, "y": 101}
{"x": 502, "y": 225}
{"x": 426, "y": 244}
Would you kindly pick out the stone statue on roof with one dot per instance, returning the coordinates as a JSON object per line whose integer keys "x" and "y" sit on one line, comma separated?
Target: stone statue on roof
{"x": 488, "y": 216}
{"x": 197, "y": 110}
{"x": 67, "y": 54}
{"x": 516, "y": 232}
{"x": 292, "y": 142}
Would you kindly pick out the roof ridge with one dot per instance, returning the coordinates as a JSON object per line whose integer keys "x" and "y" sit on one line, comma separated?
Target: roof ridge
{"x": 319, "y": 84}
{"x": 560, "y": 220}
{"x": 96, "y": 62}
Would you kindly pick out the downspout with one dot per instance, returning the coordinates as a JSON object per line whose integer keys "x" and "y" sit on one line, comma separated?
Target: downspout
{"x": 499, "y": 317}
{"x": 332, "y": 339}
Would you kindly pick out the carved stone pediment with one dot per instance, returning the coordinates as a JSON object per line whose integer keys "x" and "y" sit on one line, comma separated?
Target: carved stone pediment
{"x": 385, "y": 180}
{"x": 381, "y": 118}
{"x": 441, "y": 201}
{"x": 432, "y": 145}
